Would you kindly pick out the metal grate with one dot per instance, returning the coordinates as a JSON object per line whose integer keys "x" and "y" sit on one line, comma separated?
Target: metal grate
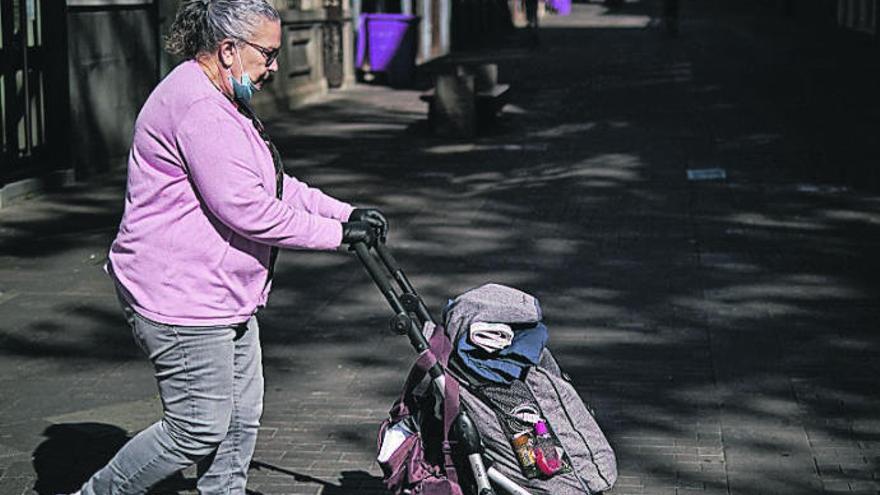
{"x": 22, "y": 92}
{"x": 859, "y": 15}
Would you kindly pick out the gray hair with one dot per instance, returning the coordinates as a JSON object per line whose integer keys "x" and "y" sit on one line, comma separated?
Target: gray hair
{"x": 200, "y": 25}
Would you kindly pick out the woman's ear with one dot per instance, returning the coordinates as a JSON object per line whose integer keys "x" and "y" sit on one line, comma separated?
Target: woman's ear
{"x": 226, "y": 53}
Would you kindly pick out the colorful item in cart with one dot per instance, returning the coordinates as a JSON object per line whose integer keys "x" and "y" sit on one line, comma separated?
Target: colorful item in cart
{"x": 524, "y": 447}
{"x": 506, "y": 365}
{"x": 394, "y": 436}
{"x": 546, "y": 454}
{"x": 523, "y": 414}
{"x": 490, "y": 337}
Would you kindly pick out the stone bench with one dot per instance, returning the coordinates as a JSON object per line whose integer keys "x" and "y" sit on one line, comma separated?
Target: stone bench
{"x": 466, "y": 96}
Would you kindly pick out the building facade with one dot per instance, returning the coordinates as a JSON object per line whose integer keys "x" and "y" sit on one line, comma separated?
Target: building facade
{"x": 33, "y": 76}
{"x": 76, "y": 72}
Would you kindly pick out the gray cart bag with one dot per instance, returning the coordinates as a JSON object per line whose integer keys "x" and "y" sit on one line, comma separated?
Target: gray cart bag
{"x": 455, "y": 432}
{"x": 543, "y": 392}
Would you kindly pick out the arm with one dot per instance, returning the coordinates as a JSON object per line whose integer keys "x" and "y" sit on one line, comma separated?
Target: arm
{"x": 300, "y": 196}
{"x": 223, "y": 166}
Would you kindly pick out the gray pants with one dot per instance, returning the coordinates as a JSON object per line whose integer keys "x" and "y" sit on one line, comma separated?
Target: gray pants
{"x": 211, "y": 384}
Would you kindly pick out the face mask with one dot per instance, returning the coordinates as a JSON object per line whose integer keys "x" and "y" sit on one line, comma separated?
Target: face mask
{"x": 244, "y": 90}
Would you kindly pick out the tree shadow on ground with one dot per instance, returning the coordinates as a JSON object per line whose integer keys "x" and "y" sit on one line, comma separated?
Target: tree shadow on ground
{"x": 350, "y": 482}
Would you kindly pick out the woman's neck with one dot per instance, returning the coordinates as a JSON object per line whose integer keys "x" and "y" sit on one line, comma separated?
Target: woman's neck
{"x": 215, "y": 75}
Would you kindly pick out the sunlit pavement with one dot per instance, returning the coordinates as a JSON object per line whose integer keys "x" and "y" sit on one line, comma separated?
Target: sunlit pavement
{"x": 724, "y": 330}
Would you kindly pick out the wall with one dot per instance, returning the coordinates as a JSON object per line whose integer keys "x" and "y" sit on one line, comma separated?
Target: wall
{"x": 113, "y": 66}
{"x": 300, "y": 74}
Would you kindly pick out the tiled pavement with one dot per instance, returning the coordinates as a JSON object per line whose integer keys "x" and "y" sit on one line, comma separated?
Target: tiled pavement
{"x": 725, "y": 331}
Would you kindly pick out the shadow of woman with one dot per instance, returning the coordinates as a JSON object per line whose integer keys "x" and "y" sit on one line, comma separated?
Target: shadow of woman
{"x": 72, "y": 452}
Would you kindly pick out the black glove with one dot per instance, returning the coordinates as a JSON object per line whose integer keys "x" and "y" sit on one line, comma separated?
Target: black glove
{"x": 358, "y": 232}
{"x": 372, "y": 216}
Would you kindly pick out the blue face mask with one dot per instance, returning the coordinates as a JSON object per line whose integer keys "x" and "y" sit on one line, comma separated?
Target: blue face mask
{"x": 244, "y": 90}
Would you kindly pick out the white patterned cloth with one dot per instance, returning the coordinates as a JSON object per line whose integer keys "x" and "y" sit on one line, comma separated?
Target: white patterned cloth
{"x": 490, "y": 337}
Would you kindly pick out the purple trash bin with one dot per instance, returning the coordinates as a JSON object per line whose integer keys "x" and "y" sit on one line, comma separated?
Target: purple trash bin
{"x": 387, "y": 43}
{"x": 561, "y": 7}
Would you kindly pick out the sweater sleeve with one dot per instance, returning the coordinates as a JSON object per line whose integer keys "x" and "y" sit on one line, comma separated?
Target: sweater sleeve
{"x": 299, "y": 195}
{"x": 224, "y": 168}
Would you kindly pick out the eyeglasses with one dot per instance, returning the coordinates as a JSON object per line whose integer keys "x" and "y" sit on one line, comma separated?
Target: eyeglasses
{"x": 269, "y": 55}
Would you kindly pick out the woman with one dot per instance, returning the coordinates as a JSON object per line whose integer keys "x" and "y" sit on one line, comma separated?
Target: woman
{"x": 207, "y": 206}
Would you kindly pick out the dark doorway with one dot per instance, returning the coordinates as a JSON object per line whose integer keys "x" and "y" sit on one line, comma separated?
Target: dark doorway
{"x": 22, "y": 88}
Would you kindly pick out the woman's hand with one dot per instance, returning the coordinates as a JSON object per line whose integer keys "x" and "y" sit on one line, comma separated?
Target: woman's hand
{"x": 373, "y": 217}
{"x": 353, "y": 232}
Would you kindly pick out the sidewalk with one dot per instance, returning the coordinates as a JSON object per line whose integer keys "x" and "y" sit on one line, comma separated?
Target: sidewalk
{"x": 725, "y": 331}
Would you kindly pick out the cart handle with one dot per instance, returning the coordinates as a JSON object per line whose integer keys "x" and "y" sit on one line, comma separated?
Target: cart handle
{"x": 406, "y": 303}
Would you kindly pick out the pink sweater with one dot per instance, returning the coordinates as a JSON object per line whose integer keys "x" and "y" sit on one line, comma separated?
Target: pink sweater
{"x": 201, "y": 212}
